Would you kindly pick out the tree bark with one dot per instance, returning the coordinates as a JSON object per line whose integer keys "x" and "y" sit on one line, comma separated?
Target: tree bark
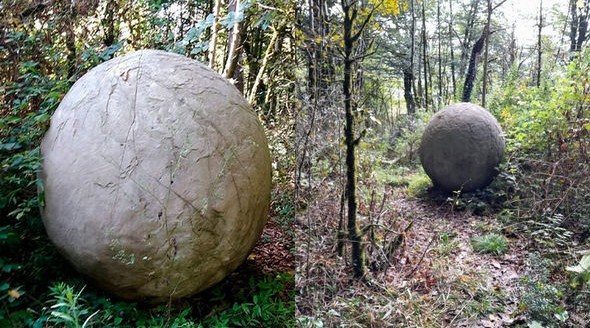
{"x": 539, "y": 45}
{"x": 268, "y": 54}
{"x": 409, "y": 74}
{"x": 583, "y": 25}
{"x": 213, "y": 40}
{"x": 475, "y": 51}
{"x": 408, "y": 96}
{"x": 232, "y": 52}
{"x": 425, "y": 58}
{"x": 451, "y": 47}
{"x": 350, "y": 14}
{"x": 579, "y": 24}
{"x": 484, "y": 87}
{"x": 108, "y": 23}
{"x": 472, "y": 68}
{"x": 467, "y": 35}
{"x": 573, "y": 25}
{"x": 71, "y": 42}
{"x": 439, "y": 54}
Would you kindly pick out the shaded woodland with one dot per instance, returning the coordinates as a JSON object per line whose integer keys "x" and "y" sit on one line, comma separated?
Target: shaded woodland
{"x": 378, "y": 245}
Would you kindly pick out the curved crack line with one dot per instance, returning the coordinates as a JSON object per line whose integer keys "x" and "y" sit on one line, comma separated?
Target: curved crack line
{"x": 129, "y": 132}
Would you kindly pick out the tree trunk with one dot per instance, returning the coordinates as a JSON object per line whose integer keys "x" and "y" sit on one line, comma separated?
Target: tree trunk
{"x": 472, "y": 68}
{"x": 439, "y": 54}
{"x": 408, "y": 78}
{"x": 108, "y": 23}
{"x": 573, "y": 25}
{"x": 475, "y": 51}
{"x": 467, "y": 35}
{"x": 583, "y": 25}
{"x": 409, "y": 75}
{"x": 268, "y": 54}
{"x": 213, "y": 40}
{"x": 539, "y": 45}
{"x": 484, "y": 87}
{"x": 71, "y": 43}
{"x": 425, "y": 58}
{"x": 453, "y": 79}
{"x": 579, "y": 24}
{"x": 358, "y": 258}
{"x": 232, "y": 52}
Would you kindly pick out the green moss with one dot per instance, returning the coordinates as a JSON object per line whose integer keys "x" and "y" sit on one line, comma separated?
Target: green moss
{"x": 418, "y": 184}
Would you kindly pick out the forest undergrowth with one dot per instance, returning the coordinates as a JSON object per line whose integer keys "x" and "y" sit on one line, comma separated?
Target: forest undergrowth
{"x": 512, "y": 255}
{"x": 434, "y": 260}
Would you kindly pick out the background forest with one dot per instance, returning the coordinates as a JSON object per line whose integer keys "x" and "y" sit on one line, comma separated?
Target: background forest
{"x": 378, "y": 246}
{"x": 45, "y": 46}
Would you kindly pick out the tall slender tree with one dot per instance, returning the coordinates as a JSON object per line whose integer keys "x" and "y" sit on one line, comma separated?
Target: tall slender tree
{"x": 353, "y": 30}
{"x": 539, "y": 45}
{"x": 475, "y": 52}
{"x": 451, "y": 50}
{"x": 580, "y": 14}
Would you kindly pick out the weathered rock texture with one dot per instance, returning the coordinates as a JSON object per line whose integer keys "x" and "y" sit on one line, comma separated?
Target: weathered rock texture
{"x": 157, "y": 176}
{"x": 461, "y": 148}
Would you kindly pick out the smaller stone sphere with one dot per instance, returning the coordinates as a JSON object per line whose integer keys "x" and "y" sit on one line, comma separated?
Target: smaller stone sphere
{"x": 462, "y": 147}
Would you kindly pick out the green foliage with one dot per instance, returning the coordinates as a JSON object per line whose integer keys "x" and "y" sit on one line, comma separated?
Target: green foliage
{"x": 19, "y": 138}
{"x": 406, "y": 136}
{"x": 29, "y": 102}
{"x": 540, "y": 299}
{"x": 492, "y": 243}
{"x": 548, "y": 140}
{"x": 270, "y": 305}
{"x": 266, "y": 301}
{"x": 418, "y": 184}
{"x": 68, "y": 308}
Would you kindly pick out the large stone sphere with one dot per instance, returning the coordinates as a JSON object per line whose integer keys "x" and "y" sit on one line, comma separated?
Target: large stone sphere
{"x": 462, "y": 147}
{"x": 156, "y": 176}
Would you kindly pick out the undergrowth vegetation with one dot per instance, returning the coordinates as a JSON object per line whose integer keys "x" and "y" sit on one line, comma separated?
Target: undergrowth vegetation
{"x": 446, "y": 259}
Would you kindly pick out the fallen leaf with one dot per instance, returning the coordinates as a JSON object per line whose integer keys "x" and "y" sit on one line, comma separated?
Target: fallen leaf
{"x": 13, "y": 293}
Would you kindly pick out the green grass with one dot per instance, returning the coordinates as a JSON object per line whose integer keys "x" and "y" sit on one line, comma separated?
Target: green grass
{"x": 419, "y": 184}
{"x": 491, "y": 243}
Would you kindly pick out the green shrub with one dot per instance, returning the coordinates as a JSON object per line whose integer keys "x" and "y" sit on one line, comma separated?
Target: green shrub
{"x": 406, "y": 136}
{"x": 491, "y": 243}
{"x": 270, "y": 305}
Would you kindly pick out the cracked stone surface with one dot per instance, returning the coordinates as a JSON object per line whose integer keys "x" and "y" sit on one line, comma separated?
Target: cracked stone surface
{"x": 461, "y": 148}
{"x": 156, "y": 176}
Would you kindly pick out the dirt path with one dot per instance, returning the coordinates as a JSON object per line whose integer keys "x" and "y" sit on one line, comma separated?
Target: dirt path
{"x": 434, "y": 279}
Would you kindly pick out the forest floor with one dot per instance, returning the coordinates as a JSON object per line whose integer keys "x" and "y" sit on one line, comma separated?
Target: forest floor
{"x": 433, "y": 279}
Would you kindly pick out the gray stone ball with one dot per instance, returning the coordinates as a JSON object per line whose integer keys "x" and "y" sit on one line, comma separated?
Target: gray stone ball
{"x": 462, "y": 147}
{"x": 156, "y": 176}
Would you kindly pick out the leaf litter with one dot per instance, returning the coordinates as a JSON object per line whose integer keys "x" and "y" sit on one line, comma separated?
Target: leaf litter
{"x": 434, "y": 279}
